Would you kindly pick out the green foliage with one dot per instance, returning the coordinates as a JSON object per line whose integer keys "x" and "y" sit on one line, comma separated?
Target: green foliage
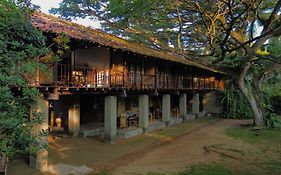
{"x": 153, "y": 22}
{"x": 272, "y": 100}
{"x": 20, "y": 47}
{"x": 274, "y": 47}
{"x": 276, "y": 104}
{"x": 273, "y": 121}
{"x": 225, "y": 31}
{"x": 273, "y": 167}
{"x": 235, "y": 104}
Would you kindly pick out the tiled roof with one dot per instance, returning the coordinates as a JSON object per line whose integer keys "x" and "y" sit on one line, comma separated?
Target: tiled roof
{"x": 50, "y": 23}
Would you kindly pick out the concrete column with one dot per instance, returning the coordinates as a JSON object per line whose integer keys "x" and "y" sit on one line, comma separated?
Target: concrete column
{"x": 195, "y": 103}
{"x": 39, "y": 160}
{"x": 143, "y": 111}
{"x": 166, "y": 107}
{"x": 74, "y": 120}
{"x": 183, "y": 106}
{"x": 110, "y": 119}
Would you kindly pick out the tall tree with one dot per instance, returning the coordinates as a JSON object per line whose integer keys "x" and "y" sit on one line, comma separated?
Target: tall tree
{"x": 20, "y": 47}
{"x": 224, "y": 31}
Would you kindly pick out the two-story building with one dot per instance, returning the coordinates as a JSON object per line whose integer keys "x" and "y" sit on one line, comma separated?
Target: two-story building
{"x": 109, "y": 87}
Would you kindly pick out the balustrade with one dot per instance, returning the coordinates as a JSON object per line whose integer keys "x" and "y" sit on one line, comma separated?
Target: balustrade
{"x": 79, "y": 76}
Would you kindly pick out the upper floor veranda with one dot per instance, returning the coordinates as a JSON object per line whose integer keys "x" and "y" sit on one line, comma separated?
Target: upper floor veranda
{"x": 100, "y": 60}
{"x": 99, "y": 67}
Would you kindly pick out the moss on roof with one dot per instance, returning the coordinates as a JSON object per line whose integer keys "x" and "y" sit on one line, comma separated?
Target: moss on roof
{"x": 50, "y": 23}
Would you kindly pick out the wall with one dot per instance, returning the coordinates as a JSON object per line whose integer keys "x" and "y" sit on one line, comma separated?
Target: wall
{"x": 149, "y": 67}
{"x": 92, "y": 109}
{"x": 121, "y": 105}
{"x": 117, "y": 58}
{"x": 129, "y": 103}
{"x": 62, "y": 105}
{"x": 210, "y": 103}
{"x": 95, "y": 57}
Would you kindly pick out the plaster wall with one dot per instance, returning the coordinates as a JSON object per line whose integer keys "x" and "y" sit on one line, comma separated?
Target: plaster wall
{"x": 95, "y": 57}
{"x": 62, "y": 105}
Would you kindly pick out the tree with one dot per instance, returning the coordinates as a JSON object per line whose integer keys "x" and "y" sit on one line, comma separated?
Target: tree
{"x": 20, "y": 47}
{"x": 221, "y": 31}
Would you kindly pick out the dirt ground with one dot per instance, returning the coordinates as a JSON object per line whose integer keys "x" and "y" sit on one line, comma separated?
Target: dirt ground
{"x": 188, "y": 149}
{"x": 166, "y": 151}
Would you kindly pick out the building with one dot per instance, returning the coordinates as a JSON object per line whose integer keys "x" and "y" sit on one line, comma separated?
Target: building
{"x": 107, "y": 86}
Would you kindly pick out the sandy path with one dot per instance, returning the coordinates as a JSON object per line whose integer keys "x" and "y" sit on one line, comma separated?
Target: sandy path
{"x": 183, "y": 151}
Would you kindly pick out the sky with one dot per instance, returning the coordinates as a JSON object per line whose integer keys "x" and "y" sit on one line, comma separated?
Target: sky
{"x": 46, "y": 5}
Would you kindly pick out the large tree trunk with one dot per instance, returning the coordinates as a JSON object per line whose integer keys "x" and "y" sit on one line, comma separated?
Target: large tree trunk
{"x": 251, "y": 97}
{"x": 258, "y": 114}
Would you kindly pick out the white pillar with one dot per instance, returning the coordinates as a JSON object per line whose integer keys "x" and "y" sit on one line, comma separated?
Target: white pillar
{"x": 183, "y": 106}
{"x": 195, "y": 103}
{"x": 143, "y": 111}
{"x": 110, "y": 119}
{"x": 166, "y": 108}
{"x": 74, "y": 120}
{"x": 40, "y": 159}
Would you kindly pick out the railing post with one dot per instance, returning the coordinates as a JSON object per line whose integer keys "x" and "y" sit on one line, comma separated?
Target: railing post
{"x": 55, "y": 74}
{"x": 109, "y": 77}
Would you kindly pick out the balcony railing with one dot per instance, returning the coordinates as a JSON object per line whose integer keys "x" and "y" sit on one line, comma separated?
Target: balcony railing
{"x": 79, "y": 76}
{"x": 70, "y": 75}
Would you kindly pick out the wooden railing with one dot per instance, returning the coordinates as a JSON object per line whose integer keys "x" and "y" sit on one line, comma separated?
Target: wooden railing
{"x": 79, "y": 76}
{"x": 70, "y": 75}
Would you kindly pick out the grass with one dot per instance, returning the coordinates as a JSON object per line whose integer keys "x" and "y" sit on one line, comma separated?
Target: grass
{"x": 269, "y": 139}
{"x": 201, "y": 169}
{"x": 273, "y": 167}
{"x": 255, "y": 136}
{"x": 207, "y": 170}
{"x": 175, "y": 130}
{"x": 181, "y": 128}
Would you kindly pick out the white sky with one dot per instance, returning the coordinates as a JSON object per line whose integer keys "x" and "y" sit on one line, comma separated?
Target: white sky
{"x": 46, "y": 5}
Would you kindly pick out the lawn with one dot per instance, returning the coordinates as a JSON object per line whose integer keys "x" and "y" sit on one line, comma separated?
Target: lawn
{"x": 267, "y": 141}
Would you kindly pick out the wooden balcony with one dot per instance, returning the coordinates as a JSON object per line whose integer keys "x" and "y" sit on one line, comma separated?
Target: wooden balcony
{"x": 79, "y": 76}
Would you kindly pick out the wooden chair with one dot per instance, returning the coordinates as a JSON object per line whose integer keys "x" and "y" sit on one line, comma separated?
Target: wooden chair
{"x": 133, "y": 120}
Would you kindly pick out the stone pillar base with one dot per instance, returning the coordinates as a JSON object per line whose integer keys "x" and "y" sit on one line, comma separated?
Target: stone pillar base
{"x": 74, "y": 120}
{"x": 110, "y": 139}
{"x": 39, "y": 160}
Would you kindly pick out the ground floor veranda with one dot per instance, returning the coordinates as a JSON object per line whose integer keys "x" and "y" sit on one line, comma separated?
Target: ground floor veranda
{"x": 108, "y": 117}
